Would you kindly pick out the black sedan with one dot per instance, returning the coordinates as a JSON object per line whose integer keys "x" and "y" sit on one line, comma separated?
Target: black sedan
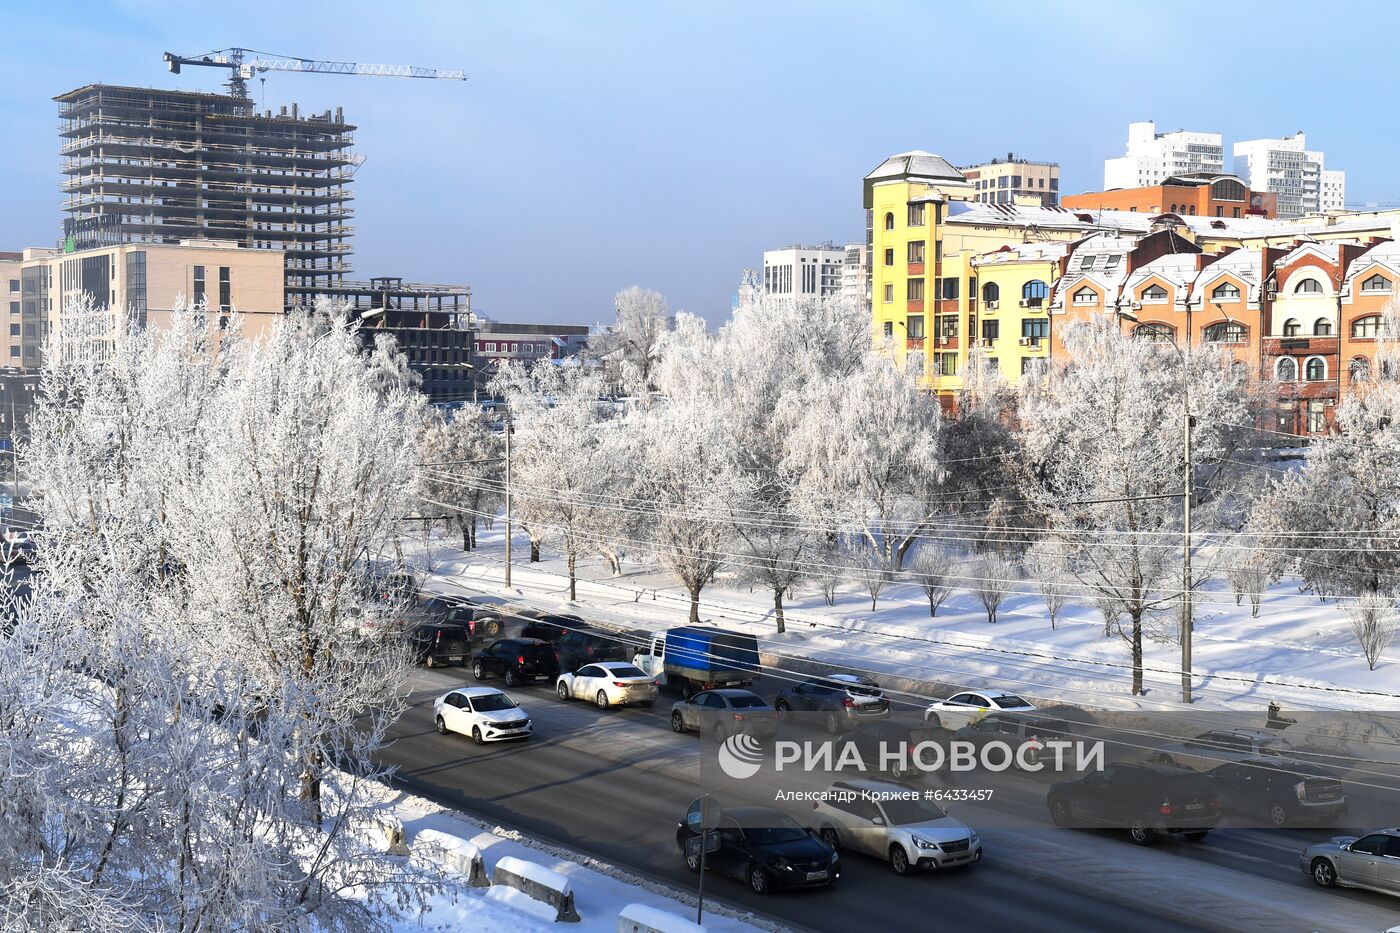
{"x": 765, "y": 848}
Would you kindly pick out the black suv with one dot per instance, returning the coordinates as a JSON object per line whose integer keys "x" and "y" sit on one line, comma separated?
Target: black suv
{"x": 1145, "y": 799}
{"x": 518, "y": 660}
{"x": 577, "y": 648}
{"x": 550, "y": 626}
{"x": 486, "y": 616}
{"x": 839, "y": 701}
{"x": 1282, "y": 791}
{"x": 438, "y": 644}
{"x": 764, "y": 847}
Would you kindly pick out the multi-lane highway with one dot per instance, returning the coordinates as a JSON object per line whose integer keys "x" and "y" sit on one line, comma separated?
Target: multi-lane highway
{"x": 614, "y": 783}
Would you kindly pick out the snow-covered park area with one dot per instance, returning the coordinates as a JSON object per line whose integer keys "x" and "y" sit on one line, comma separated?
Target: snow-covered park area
{"x": 1300, "y": 651}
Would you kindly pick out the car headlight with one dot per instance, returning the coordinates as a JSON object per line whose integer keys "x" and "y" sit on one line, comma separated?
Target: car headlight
{"x": 973, "y": 840}
{"x": 923, "y": 843}
{"x": 780, "y": 863}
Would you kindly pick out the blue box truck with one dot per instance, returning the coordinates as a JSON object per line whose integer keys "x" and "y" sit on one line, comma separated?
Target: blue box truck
{"x": 697, "y": 657}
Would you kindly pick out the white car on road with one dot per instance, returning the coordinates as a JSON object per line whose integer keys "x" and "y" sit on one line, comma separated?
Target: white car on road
{"x": 967, "y": 706}
{"x": 608, "y": 683}
{"x": 484, "y": 713}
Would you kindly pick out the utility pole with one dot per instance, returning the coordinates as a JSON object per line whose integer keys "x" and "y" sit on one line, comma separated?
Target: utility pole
{"x": 1187, "y": 620}
{"x": 507, "y": 496}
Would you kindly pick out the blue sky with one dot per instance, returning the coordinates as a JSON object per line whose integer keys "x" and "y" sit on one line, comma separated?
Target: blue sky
{"x": 601, "y": 144}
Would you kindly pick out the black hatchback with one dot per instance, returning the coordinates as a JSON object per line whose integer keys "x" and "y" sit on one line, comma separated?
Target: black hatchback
{"x": 550, "y": 627}
{"x": 1281, "y": 791}
{"x": 1145, "y": 799}
{"x": 764, "y": 847}
{"x": 518, "y": 660}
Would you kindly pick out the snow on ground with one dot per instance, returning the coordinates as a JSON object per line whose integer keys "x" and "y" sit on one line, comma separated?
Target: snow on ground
{"x": 1300, "y": 651}
{"x": 600, "y": 890}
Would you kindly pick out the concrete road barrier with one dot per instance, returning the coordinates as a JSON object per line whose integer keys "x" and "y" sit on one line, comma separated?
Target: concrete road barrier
{"x": 451, "y": 852}
{"x": 536, "y": 881}
{"x": 639, "y": 918}
{"x": 389, "y": 831}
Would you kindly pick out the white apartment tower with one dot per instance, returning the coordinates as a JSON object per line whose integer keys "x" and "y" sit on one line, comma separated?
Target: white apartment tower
{"x": 804, "y": 270}
{"x": 1153, "y": 157}
{"x": 1295, "y": 173}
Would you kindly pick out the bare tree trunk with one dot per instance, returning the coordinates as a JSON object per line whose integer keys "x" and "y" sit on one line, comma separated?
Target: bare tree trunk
{"x": 1137, "y": 654}
{"x": 778, "y": 609}
{"x": 694, "y": 604}
{"x": 534, "y": 550}
{"x": 573, "y": 580}
{"x": 466, "y": 536}
{"x": 473, "y": 532}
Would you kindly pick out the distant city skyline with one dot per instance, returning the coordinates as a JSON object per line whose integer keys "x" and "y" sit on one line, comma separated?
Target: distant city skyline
{"x": 596, "y": 147}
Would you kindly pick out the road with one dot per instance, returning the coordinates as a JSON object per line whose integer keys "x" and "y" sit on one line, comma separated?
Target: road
{"x": 613, "y": 784}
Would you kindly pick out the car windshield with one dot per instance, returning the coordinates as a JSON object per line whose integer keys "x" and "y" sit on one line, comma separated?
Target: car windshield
{"x": 1010, "y": 702}
{"x": 783, "y": 829}
{"x": 492, "y": 702}
{"x": 625, "y": 670}
{"x": 747, "y": 702}
{"x": 906, "y": 812}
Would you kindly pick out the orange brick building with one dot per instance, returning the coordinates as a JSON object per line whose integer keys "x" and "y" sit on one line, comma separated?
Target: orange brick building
{"x": 1203, "y": 195}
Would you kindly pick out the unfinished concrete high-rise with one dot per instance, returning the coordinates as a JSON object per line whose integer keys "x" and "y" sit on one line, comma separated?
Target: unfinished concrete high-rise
{"x": 145, "y": 165}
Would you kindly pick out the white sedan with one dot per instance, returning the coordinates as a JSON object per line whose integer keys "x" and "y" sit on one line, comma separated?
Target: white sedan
{"x": 968, "y": 706}
{"x": 608, "y": 683}
{"x": 484, "y": 713}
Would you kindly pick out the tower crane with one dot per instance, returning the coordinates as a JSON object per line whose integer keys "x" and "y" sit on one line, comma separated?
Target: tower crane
{"x": 242, "y": 67}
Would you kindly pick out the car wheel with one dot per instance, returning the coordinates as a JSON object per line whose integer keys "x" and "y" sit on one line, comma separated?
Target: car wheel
{"x": 693, "y": 863}
{"x": 430, "y": 662}
{"x": 833, "y": 725}
{"x": 602, "y": 699}
{"x": 478, "y": 672}
{"x": 1141, "y": 833}
{"x": 1278, "y": 814}
{"x": 1198, "y": 836}
{"x": 784, "y": 711}
{"x": 758, "y": 880}
{"x": 564, "y": 691}
{"x": 933, "y": 720}
{"x": 493, "y": 628}
{"x": 831, "y": 837}
{"x": 1324, "y": 873}
{"x": 476, "y": 736}
{"x": 677, "y": 722}
{"x": 1061, "y": 814}
{"x": 510, "y": 677}
{"x": 441, "y": 726}
{"x": 898, "y": 771}
{"x": 899, "y": 859}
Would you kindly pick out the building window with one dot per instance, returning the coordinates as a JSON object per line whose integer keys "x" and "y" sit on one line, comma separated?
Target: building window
{"x": 14, "y": 352}
{"x": 491, "y": 348}
{"x": 1366, "y": 328}
{"x": 889, "y": 329}
{"x": 916, "y": 250}
{"x": 1359, "y": 370}
{"x": 991, "y": 293}
{"x": 914, "y": 325}
{"x": 889, "y": 256}
{"x": 1086, "y": 262}
{"x": 889, "y": 293}
{"x": 1086, "y": 296}
{"x": 1322, "y": 327}
{"x": 1376, "y": 283}
{"x": 946, "y": 364}
{"x": 14, "y": 330}
{"x": 1317, "y": 416}
{"x": 1226, "y": 291}
{"x": 1153, "y": 331}
{"x": 1220, "y": 212}
{"x": 1286, "y": 369}
{"x": 1035, "y": 329}
{"x": 14, "y": 307}
{"x": 1033, "y": 293}
{"x": 948, "y": 325}
{"x": 1154, "y": 293}
{"x": 889, "y": 220}
{"x": 14, "y": 286}
{"x": 950, "y": 289}
{"x": 1308, "y": 287}
{"x": 1315, "y": 370}
{"x": 991, "y": 330}
{"x": 916, "y": 215}
{"x": 1291, "y": 328}
{"x": 1225, "y": 332}
{"x": 915, "y": 290}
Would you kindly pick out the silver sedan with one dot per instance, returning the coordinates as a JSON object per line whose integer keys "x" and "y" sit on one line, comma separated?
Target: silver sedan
{"x": 1371, "y": 862}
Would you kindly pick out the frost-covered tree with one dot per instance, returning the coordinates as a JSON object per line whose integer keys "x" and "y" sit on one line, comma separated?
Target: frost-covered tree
{"x": 1048, "y": 566}
{"x": 934, "y": 572}
{"x": 992, "y": 578}
{"x": 631, "y": 347}
{"x": 188, "y": 703}
{"x": 564, "y": 472}
{"x": 461, "y": 462}
{"x": 866, "y": 445}
{"x": 1103, "y": 443}
{"x": 1373, "y": 620}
